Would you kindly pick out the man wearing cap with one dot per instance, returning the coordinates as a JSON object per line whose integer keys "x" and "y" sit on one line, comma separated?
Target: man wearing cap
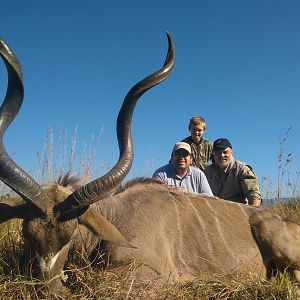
{"x": 180, "y": 173}
{"x": 231, "y": 179}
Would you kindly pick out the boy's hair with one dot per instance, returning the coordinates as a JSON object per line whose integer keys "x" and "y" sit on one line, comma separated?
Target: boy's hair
{"x": 196, "y": 120}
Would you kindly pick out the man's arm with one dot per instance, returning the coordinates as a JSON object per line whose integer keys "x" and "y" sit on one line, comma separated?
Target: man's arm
{"x": 161, "y": 173}
{"x": 205, "y": 187}
{"x": 158, "y": 175}
{"x": 250, "y": 186}
{"x": 255, "y": 202}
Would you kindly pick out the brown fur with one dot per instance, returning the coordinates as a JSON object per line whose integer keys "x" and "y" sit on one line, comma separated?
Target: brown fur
{"x": 138, "y": 181}
{"x": 173, "y": 235}
{"x": 180, "y": 236}
{"x": 69, "y": 180}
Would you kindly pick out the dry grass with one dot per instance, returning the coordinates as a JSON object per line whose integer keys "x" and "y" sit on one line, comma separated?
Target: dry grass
{"x": 288, "y": 209}
{"x": 61, "y": 153}
{"x": 87, "y": 282}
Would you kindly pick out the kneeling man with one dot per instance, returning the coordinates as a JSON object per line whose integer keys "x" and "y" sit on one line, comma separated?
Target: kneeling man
{"x": 231, "y": 179}
{"x": 180, "y": 173}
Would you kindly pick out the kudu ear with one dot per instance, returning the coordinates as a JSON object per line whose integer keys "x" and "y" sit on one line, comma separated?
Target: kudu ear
{"x": 100, "y": 226}
{"x": 13, "y": 208}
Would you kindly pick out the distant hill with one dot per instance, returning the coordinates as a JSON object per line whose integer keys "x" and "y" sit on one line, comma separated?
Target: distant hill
{"x": 274, "y": 201}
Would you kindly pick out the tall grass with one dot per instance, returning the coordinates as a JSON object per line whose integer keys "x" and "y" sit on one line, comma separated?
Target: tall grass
{"x": 60, "y": 154}
{"x": 287, "y": 181}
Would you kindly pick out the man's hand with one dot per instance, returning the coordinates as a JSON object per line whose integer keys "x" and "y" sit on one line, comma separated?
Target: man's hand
{"x": 255, "y": 202}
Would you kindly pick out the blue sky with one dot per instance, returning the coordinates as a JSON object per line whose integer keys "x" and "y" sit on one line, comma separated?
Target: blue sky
{"x": 237, "y": 65}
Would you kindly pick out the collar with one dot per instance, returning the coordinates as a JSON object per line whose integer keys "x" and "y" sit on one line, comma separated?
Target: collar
{"x": 196, "y": 143}
{"x": 200, "y": 141}
{"x": 174, "y": 174}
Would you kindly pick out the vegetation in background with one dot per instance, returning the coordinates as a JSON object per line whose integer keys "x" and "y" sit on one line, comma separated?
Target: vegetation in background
{"x": 287, "y": 179}
{"x": 60, "y": 155}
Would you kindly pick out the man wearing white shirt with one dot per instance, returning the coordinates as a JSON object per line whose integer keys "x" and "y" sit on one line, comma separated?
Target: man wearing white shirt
{"x": 180, "y": 173}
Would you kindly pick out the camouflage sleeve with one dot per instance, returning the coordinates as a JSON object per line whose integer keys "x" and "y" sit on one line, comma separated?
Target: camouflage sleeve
{"x": 249, "y": 184}
{"x": 210, "y": 147}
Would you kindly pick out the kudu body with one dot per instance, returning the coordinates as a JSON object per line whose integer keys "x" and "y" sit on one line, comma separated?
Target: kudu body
{"x": 172, "y": 234}
{"x": 179, "y": 236}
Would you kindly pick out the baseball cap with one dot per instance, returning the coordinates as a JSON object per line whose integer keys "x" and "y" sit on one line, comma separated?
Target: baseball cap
{"x": 182, "y": 145}
{"x": 221, "y": 144}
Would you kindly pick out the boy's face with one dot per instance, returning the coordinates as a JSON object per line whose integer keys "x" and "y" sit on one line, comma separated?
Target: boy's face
{"x": 196, "y": 132}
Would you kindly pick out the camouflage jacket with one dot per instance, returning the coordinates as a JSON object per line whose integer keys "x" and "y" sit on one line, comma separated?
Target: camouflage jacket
{"x": 201, "y": 152}
{"x": 238, "y": 184}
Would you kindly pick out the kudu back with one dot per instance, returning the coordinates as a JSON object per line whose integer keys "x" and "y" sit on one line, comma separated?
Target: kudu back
{"x": 173, "y": 235}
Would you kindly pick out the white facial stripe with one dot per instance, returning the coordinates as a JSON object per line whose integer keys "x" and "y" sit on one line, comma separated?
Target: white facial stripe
{"x": 47, "y": 262}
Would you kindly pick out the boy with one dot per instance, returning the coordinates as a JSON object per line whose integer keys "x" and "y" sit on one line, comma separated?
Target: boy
{"x": 201, "y": 147}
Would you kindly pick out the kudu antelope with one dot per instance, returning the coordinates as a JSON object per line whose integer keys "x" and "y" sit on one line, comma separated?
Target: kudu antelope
{"x": 174, "y": 235}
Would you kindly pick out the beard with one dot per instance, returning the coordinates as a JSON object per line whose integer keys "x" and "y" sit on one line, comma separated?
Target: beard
{"x": 223, "y": 164}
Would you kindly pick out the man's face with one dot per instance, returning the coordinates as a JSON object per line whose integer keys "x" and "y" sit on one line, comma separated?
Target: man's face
{"x": 223, "y": 157}
{"x": 196, "y": 132}
{"x": 181, "y": 160}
